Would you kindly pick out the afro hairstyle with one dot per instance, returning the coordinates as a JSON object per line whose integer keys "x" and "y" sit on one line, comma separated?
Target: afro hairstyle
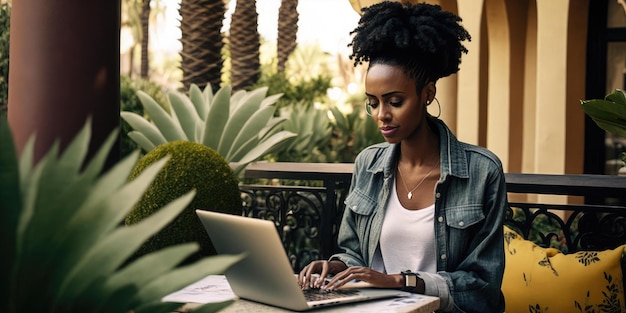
{"x": 422, "y": 38}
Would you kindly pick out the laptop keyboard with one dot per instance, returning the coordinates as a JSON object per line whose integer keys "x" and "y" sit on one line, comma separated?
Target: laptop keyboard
{"x": 316, "y": 294}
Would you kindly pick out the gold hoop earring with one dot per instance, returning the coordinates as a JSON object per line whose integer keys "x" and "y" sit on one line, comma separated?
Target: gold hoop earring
{"x": 368, "y": 108}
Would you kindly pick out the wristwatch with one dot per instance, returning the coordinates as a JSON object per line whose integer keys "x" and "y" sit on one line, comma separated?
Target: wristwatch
{"x": 410, "y": 281}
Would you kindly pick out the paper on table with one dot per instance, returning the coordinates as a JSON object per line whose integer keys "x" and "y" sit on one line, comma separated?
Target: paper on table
{"x": 213, "y": 288}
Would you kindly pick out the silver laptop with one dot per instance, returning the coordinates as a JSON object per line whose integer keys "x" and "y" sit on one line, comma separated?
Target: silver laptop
{"x": 265, "y": 274}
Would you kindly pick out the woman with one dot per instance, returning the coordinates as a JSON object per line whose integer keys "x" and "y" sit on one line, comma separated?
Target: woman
{"x": 425, "y": 211}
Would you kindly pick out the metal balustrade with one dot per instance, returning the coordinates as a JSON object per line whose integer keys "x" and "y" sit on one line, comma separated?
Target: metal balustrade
{"x": 307, "y": 218}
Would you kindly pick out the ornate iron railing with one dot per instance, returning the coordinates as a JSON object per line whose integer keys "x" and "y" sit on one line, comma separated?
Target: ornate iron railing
{"x": 307, "y": 218}
{"x": 583, "y": 228}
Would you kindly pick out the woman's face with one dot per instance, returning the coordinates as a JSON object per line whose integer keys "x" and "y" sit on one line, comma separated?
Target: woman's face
{"x": 395, "y": 104}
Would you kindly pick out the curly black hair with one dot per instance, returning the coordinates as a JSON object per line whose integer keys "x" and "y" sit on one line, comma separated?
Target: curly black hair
{"x": 421, "y": 38}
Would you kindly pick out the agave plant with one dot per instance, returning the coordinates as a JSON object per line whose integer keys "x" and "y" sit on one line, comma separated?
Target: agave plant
{"x": 313, "y": 129}
{"x": 64, "y": 247}
{"x": 239, "y": 126}
{"x": 609, "y": 113}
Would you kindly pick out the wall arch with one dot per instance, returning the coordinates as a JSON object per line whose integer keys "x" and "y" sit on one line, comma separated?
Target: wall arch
{"x": 499, "y": 77}
{"x": 575, "y": 87}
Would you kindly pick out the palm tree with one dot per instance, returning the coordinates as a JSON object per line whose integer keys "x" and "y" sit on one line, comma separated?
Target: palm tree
{"x": 201, "y": 37}
{"x": 139, "y": 14}
{"x": 287, "y": 30}
{"x": 244, "y": 45}
{"x": 131, "y": 19}
{"x": 145, "y": 37}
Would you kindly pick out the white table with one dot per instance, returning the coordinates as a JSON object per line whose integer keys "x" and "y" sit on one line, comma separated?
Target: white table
{"x": 215, "y": 288}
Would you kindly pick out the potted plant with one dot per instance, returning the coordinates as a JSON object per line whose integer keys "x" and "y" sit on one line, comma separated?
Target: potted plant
{"x": 241, "y": 127}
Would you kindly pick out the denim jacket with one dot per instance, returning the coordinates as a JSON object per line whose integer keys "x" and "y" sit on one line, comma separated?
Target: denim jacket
{"x": 470, "y": 201}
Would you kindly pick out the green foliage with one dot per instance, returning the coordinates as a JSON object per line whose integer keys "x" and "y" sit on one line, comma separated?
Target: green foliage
{"x": 295, "y": 91}
{"x": 352, "y": 133}
{"x": 130, "y": 102}
{"x": 238, "y": 126}
{"x": 609, "y": 113}
{"x": 192, "y": 166}
{"x": 5, "y": 17}
{"x": 314, "y": 130}
{"x": 324, "y": 139}
{"x": 308, "y": 62}
{"x": 62, "y": 243}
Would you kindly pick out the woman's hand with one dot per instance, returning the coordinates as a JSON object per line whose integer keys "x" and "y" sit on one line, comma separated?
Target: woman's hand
{"x": 309, "y": 277}
{"x": 365, "y": 274}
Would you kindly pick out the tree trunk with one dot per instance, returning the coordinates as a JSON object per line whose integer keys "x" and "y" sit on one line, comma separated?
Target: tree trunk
{"x": 287, "y": 31}
{"x": 202, "y": 42}
{"x": 145, "y": 38}
{"x": 64, "y": 70}
{"x": 244, "y": 46}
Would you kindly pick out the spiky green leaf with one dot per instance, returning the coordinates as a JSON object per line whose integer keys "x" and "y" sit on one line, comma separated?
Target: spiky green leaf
{"x": 147, "y": 129}
{"x": 138, "y": 273}
{"x": 250, "y": 127}
{"x": 235, "y": 100}
{"x": 248, "y": 105}
{"x": 186, "y": 113}
{"x": 208, "y": 94}
{"x": 217, "y": 117}
{"x": 106, "y": 256}
{"x": 168, "y": 126}
{"x": 266, "y": 146}
{"x": 198, "y": 99}
{"x": 142, "y": 140}
{"x": 184, "y": 276}
{"x": 10, "y": 204}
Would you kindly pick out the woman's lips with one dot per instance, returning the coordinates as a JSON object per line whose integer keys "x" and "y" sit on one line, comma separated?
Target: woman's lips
{"x": 388, "y": 130}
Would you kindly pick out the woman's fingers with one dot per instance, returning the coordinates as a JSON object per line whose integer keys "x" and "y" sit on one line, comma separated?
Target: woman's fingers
{"x": 305, "y": 276}
{"x": 313, "y": 274}
{"x": 340, "y": 279}
{"x": 365, "y": 274}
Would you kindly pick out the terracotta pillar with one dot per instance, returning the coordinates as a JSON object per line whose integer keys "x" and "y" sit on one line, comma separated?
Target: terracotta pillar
{"x": 64, "y": 68}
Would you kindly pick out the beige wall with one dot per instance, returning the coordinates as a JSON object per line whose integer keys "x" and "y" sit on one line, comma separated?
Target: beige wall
{"x": 519, "y": 88}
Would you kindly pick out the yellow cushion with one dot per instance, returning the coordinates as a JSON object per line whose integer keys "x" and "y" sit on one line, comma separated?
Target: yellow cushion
{"x": 537, "y": 279}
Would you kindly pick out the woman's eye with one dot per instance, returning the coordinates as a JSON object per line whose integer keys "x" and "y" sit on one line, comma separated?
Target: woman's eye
{"x": 395, "y": 103}
{"x": 372, "y": 104}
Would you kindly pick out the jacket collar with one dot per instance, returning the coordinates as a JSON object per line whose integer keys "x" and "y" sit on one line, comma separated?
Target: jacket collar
{"x": 453, "y": 156}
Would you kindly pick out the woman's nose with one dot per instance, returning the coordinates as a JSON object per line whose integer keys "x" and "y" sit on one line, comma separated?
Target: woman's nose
{"x": 382, "y": 112}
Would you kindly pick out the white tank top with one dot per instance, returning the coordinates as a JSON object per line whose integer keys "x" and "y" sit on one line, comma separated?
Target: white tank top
{"x": 407, "y": 239}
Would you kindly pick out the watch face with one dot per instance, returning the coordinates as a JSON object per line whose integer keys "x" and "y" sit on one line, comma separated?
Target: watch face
{"x": 410, "y": 280}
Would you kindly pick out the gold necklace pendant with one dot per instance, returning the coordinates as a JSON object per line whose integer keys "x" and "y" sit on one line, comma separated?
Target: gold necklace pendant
{"x": 410, "y": 194}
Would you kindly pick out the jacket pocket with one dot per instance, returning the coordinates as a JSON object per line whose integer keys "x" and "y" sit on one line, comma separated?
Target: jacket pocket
{"x": 464, "y": 216}
{"x": 360, "y": 203}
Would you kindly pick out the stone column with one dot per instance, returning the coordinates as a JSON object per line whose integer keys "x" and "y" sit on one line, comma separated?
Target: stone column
{"x": 469, "y": 116}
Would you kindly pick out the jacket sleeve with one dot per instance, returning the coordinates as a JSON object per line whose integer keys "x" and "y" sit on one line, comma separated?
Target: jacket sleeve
{"x": 347, "y": 238}
{"x": 474, "y": 281}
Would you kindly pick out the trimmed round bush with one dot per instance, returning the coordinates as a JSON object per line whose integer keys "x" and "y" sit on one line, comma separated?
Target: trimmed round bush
{"x": 191, "y": 166}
